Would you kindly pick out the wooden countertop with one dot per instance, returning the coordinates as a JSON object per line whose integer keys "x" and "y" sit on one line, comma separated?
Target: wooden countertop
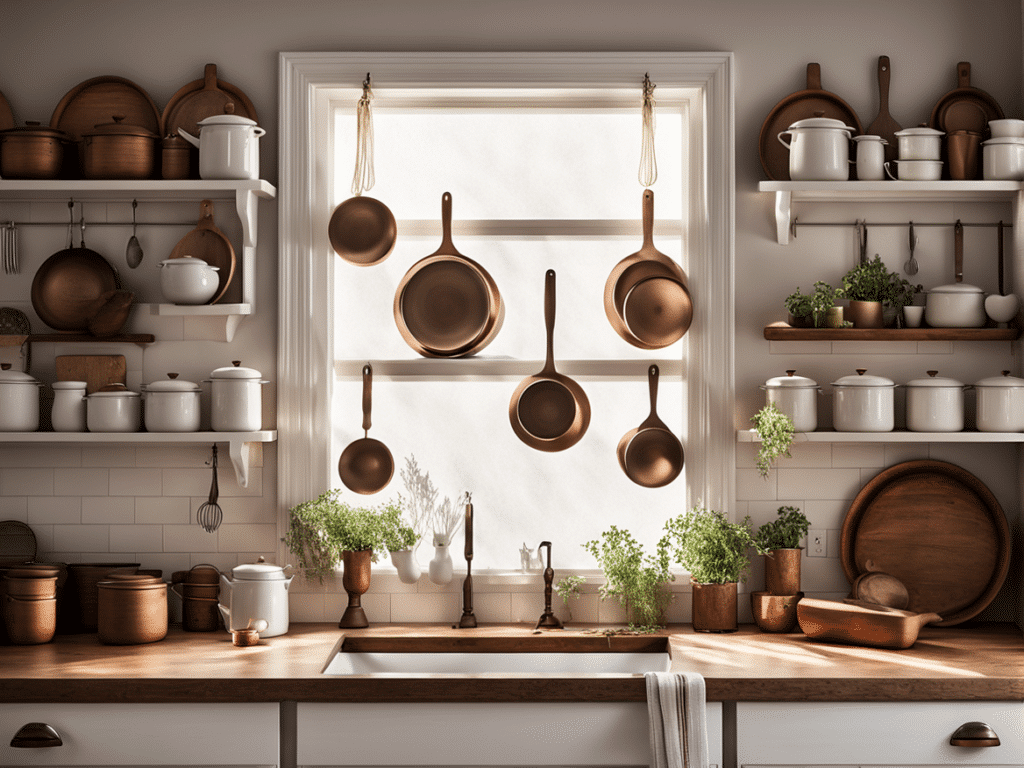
{"x": 984, "y": 662}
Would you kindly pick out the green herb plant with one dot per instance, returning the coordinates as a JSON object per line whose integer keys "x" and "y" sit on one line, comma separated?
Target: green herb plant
{"x": 567, "y": 588}
{"x": 822, "y": 300}
{"x": 799, "y": 304}
{"x": 784, "y": 532}
{"x": 635, "y": 578}
{"x": 709, "y": 546}
{"x": 872, "y": 281}
{"x": 775, "y": 431}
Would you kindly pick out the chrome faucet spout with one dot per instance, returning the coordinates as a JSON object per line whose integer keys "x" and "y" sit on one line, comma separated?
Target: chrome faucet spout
{"x": 548, "y": 620}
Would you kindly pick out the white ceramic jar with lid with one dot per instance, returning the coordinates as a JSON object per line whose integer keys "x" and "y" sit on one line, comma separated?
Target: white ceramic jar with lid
{"x": 1000, "y": 403}
{"x": 114, "y": 408}
{"x": 229, "y": 146}
{"x": 188, "y": 280}
{"x": 957, "y": 305}
{"x": 172, "y": 405}
{"x": 921, "y": 143}
{"x": 870, "y": 157}
{"x": 236, "y": 399}
{"x": 256, "y": 597}
{"x": 797, "y": 397}
{"x": 935, "y": 404}
{"x": 19, "y": 400}
{"x": 68, "y": 413}
{"x": 1002, "y": 159}
{"x": 819, "y": 149}
{"x": 863, "y": 403}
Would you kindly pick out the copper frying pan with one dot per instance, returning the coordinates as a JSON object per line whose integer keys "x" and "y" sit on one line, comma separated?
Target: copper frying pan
{"x": 366, "y": 464}
{"x": 362, "y": 231}
{"x": 651, "y": 455}
{"x": 549, "y": 411}
{"x": 966, "y": 107}
{"x": 447, "y": 305}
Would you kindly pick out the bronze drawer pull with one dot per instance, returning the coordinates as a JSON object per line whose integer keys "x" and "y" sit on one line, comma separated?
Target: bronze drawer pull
{"x": 974, "y": 735}
{"x": 36, "y": 736}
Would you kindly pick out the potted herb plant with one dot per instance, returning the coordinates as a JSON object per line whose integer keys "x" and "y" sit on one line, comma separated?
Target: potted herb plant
{"x": 780, "y": 538}
{"x": 714, "y": 551}
{"x": 775, "y": 430}
{"x": 401, "y": 540}
{"x": 800, "y": 309}
{"x": 870, "y": 287}
{"x": 823, "y": 304}
{"x": 635, "y": 578}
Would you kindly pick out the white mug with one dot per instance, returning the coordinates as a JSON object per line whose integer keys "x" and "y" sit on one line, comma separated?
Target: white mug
{"x": 870, "y": 156}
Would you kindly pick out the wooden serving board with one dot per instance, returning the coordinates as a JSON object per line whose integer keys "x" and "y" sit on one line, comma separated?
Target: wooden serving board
{"x": 95, "y": 370}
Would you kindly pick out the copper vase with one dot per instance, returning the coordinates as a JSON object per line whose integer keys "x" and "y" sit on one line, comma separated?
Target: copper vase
{"x": 355, "y": 580}
{"x": 714, "y": 607}
{"x": 782, "y": 571}
{"x": 865, "y": 314}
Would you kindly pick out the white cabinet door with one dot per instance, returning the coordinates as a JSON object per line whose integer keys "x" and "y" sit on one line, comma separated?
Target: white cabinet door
{"x": 146, "y": 734}
{"x": 575, "y": 734}
{"x": 874, "y": 734}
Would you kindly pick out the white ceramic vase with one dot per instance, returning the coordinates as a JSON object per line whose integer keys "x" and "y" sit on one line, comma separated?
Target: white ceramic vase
{"x": 440, "y": 569}
{"x": 405, "y": 563}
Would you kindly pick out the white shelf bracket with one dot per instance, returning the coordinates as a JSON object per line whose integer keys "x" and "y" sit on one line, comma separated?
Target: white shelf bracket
{"x": 240, "y": 451}
{"x": 245, "y": 205}
{"x": 783, "y": 213}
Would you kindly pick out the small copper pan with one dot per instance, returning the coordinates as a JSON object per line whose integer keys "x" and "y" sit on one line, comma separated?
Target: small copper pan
{"x": 362, "y": 231}
{"x": 366, "y": 464}
{"x": 651, "y": 455}
{"x": 447, "y": 305}
{"x": 646, "y": 298}
{"x": 549, "y": 411}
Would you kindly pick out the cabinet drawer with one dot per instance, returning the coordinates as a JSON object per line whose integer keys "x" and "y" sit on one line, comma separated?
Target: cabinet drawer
{"x": 146, "y": 734}
{"x": 520, "y": 733}
{"x": 874, "y": 734}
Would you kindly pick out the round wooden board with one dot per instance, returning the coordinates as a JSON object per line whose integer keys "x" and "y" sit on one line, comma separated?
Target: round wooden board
{"x": 935, "y": 527}
{"x": 95, "y": 101}
{"x": 6, "y": 115}
{"x": 200, "y": 99}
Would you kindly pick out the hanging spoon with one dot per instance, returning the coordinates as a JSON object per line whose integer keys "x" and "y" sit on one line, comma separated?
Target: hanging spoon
{"x": 133, "y": 253}
{"x": 911, "y": 266}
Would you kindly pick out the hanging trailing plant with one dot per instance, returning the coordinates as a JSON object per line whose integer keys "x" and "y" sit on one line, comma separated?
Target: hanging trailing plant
{"x": 775, "y": 430}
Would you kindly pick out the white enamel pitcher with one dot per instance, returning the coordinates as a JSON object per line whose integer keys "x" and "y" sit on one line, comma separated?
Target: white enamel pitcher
{"x": 256, "y": 597}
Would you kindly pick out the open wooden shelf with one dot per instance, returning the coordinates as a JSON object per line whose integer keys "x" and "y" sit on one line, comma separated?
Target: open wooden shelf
{"x": 16, "y": 340}
{"x": 896, "y": 436}
{"x": 782, "y": 331}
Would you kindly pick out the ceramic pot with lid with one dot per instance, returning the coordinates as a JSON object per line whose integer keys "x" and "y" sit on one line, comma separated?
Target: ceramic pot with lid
{"x": 171, "y": 405}
{"x": 1002, "y": 159}
{"x": 188, "y": 280}
{"x": 921, "y": 143}
{"x": 114, "y": 408}
{"x": 1007, "y": 127}
{"x": 32, "y": 152}
{"x": 796, "y": 397}
{"x": 236, "y": 399}
{"x": 118, "y": 150}
{"x": 229, "y": 146}
{"x": 819, "y": 149}
{"x": 935, "y": 404}
{"x": 1000, "y": 403}
{"x": 256, "y": 597}
{"x": 19, "y": 400}
{"x": 68, "y": 414}
{"x": 956, "y": 305}
{"x": 870, "y": 157}
{"x": 863, "y": 403}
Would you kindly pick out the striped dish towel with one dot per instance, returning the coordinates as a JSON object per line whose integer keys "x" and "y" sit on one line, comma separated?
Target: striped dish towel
{"x": 678, "y": 721}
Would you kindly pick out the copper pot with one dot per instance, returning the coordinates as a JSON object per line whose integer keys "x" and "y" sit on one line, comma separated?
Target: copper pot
{"x": 714, "y": 607}
{"x": 131, "y": 610}
{"x": 782, "y": 572}
{"x": 118, "y": 151}
{"x": 31, "y": 152}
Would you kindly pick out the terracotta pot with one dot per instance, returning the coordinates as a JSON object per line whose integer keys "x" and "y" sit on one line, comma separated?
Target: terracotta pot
{"x": 865, "y": 314}
{"x": 774, "y": 613}
{"x": 782, "y": 571}
{"x": 714, "y": 607}
{"x": 355, "y": 580}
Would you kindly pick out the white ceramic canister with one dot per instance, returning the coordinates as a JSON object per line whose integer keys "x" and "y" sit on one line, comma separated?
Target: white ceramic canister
{"x": 68, "y": 414}
{"x": 863, "y": 403}
{"x": 870, "y": 157}
{"x": 256, "y": 596}
{"x": 1003, "y": 159}
{"x": 229, "y": 147}
{"x": 915, "y": 170}
{"x": 1000, "y": 403}
{"x": 797, "y": 397}
{"x": 1006, "y": 128}
{"x": 935, "y": 404}
{"x": 19, "y": 401}
{"x": 921, "y": 143}
{"x": 171, "y": 405}
{"x": 236, "y": 399}
{"x": 956, "y": 305}
{"x": 114, "y": 408}
{"x": 819, "y": 149}
{"x": 188, "y": 280}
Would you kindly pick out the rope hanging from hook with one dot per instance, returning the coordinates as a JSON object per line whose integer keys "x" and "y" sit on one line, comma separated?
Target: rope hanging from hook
{"x": 648, "y": 165}
{"x": 363, "y": 179}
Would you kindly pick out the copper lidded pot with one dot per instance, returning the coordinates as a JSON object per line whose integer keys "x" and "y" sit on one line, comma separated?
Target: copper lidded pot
{"x": 118, "y": 150}
{"x": 32, "y": 152}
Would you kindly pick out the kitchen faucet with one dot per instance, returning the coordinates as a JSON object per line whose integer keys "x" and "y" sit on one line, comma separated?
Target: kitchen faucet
{"x": 468, "y": 620}
{"x": 548, "y": 620}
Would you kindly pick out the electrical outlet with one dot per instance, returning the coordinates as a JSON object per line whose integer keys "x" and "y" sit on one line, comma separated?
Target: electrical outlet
{"x": 817, "y": 542}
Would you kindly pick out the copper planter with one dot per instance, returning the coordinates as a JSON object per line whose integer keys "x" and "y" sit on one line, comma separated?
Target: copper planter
{"x": 782, "y": 571}
{"x": 355, "y": 580}
{"x": 714, "y": 607}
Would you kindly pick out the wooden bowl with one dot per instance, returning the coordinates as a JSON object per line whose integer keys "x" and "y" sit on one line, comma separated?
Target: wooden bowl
{"x": 774, "y": 613}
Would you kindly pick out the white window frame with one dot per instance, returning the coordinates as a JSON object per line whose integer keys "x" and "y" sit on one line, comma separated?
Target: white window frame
{"x": 305, "y": 367}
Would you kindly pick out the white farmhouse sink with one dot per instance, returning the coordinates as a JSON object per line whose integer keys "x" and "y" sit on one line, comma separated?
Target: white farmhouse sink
{"x": 470, "y": 663}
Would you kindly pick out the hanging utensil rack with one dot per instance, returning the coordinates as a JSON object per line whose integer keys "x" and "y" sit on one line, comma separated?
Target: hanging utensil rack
{"x": 861, "y": 223}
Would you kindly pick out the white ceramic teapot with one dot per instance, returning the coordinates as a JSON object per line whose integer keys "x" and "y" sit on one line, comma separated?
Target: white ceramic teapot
{"x": 256, "y": 596}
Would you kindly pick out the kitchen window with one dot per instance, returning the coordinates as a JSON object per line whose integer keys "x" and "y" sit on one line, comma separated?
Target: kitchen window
{"x": 540, "y": 155}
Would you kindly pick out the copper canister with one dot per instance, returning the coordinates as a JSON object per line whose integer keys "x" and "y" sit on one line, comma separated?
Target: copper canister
{"x": 176, "y": 157}
{"x": 32, "y": 152}
{"x": 132, "y": 610}
{"x": 118, "y": 150}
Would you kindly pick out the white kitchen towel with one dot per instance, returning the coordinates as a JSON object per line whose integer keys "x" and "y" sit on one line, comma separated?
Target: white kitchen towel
{"x": 678, "y": 721}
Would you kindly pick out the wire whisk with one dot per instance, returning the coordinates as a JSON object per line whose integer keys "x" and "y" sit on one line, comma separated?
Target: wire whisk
{"x": 209, "y": 514}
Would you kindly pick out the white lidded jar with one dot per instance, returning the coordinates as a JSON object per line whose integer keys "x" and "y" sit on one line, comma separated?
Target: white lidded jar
{"x": 797, "y": 397}
{"x": 19, "y": 401}
{"x": 863, "y": 403}
{"x": 921, "y": 143}
{"x": 870, "y": 157}
{"x": 236, "y": 399}
{"x": 113, "y": 408}
{"x": 935, "y": 404}
{"x": 188, "y": 280}
{"x": 229, "y": 146}
{"x": 172, "y": 405}
{"x": 819, "y": 149}
{"x": 1000, "y": 403}
{"x": 68, "y": 413}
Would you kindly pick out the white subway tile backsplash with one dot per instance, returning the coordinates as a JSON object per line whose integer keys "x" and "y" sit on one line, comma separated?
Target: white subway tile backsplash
{"x": 118, "y": 510}
{"x": 165, "y": 456}
{"x": 136, "y": 482}
{"x": 306, "y": 607}
{"x": 108, "y": 456}
{"x": 76, "y": 481}
{"x": 14, "y": 508}
{"x": 81, "y": 538}
{"x": 25, "y": 481}
{"x": 846, "y": 455}
{"x": 750, "y": 486}
{"x": 863, "y": 348}
{"x": 248, "y": 509}
{"x": 826, "y": 513}
{"x": 804, "y": 454}
{"x": 136, "y": 538}
{"x": 425, "y": 607}
{"x": 239, "y": 538}
{"x": 19, "y": 455}
{"x": 189, "y": 538}
{"x": 492, "y": 607}
{"x": 818, "y": 483}
{"x": 52, "y": 510}
{"x": 154, "y": 510}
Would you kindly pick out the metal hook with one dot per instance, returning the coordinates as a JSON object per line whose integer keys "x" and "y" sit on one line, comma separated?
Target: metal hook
{"x": 792, "y": 228}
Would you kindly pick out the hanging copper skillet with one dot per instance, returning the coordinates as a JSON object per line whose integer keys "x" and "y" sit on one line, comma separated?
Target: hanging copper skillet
{"x": 645, "y": 297}
{"x": 447, "y": 305}
{"x": 549, "y": 411}
{"x": 366, "y": 464}
{"x": 651, "y": 455}
{"x": 362, "y": 231}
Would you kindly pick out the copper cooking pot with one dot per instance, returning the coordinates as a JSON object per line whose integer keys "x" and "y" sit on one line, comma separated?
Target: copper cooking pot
{"x": 32, "y": 152}
{"x": 118, "y": 151}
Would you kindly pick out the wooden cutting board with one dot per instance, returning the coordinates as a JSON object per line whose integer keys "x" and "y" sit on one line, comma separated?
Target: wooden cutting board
{"x": 95, "y": 370}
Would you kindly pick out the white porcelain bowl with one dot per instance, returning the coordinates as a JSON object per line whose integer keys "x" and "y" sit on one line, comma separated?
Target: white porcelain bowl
{"x": 915, "y": 170}
{"x": 188, "y": 280}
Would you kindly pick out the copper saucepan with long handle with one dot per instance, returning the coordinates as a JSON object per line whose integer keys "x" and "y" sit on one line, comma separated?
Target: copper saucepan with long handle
{"x": 549, "y": 411}
{"x": 366, "y": 464}
{"x": 651, "y": 455}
